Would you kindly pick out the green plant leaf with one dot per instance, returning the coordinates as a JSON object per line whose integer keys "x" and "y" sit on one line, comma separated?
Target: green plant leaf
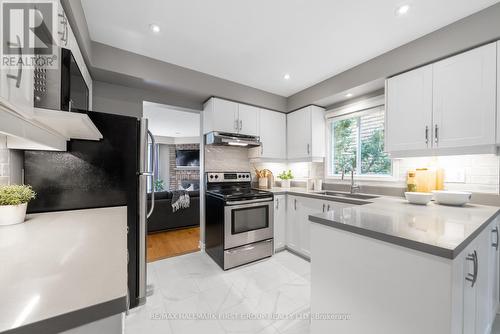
{"x": 16, "y": 194}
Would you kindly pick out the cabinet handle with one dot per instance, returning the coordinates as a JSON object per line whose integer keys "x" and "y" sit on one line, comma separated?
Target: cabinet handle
{"x": 261, "y": 148}
{"x": 241, "y": 124}
{"x": 472, "y": 277}
{"x": 236, "y": 125}
{"x": 328, "y": 207}
{"x": 427, "y": 134}
{"x": 277, "y": 203}
{"x": 495, "y": 244}
{"x": 436, "y": 134}
{"x": 308, "y": 148}
{"x": 19, "y": 75}
{"x": 295, "y": 204}
{"x": 324, "y": 207}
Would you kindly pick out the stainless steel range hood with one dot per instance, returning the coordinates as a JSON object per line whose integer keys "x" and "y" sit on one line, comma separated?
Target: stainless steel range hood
{"x": 231, "y": 139}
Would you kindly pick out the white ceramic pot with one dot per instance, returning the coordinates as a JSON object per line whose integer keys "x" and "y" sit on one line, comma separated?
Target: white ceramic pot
{"x": 418, "y": 198}
{"x": 457, "y": 198}
{"x": 285, "y": 184}
{"x": 12, "y": 214}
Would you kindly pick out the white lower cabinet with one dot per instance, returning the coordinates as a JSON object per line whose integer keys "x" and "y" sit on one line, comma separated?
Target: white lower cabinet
{"x": 480, "y": 281}
{"x": 298, "y": 226}
{"x": 292, "y": 221}
{"x": 279, "y": 222}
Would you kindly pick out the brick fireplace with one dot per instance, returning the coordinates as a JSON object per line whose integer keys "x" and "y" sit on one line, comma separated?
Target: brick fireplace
{"x": 179, "y": 175}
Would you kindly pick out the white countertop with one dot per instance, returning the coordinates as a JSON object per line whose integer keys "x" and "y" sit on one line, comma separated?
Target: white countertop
{"x": 60, "y": 262}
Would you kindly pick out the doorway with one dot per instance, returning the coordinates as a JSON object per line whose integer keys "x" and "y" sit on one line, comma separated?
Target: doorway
{"x": 174, "y": 226}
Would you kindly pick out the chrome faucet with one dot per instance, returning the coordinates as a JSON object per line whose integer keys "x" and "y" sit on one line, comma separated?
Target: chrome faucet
{"x": 354, "y": 187}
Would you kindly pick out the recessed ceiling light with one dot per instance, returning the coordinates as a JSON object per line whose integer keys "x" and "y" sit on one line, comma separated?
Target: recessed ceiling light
{"x": 286, "y": 76}
{"x": 154, "y": 28}
{"x": 348, "y": 95}
{"x": 402, "y": 10}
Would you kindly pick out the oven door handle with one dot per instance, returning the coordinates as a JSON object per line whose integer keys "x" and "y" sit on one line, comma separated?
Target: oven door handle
{"x": 259, "y": 200}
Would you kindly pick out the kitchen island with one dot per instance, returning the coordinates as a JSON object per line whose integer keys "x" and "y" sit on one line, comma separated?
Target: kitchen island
{"x": 391, "y": 267}
{"x": 61, "y": 270}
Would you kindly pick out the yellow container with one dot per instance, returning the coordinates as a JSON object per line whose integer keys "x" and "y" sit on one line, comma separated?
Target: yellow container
{"x": 411, "y": 181}
{"x": 426, "y": 180}
{"x": 440, "y": 179}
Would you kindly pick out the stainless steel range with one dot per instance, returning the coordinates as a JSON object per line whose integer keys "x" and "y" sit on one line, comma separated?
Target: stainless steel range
{"x": 239, "y": 220}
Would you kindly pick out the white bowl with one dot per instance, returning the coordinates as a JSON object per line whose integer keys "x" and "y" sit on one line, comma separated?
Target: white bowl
{"x": 418, "y": 198}
{"x": 457, "y": 198}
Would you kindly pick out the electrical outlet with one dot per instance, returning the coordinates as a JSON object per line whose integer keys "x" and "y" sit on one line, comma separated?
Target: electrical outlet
{"x": 454, "y": 175}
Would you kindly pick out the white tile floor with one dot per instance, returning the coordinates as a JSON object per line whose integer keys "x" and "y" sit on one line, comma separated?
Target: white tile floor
{"x": 193, "y": 284}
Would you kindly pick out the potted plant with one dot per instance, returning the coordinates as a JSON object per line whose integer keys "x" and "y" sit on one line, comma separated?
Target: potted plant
{"x": 285, "y": 178}
{"x": 159, "y": 185}
{"x": 13, "y": 203}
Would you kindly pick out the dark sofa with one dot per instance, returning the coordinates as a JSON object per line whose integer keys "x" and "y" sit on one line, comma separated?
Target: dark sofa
{"x": 164, "y": 219}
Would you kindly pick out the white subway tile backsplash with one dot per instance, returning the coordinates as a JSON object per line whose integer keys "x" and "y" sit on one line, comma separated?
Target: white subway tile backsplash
{"x": 4, "y": 180}
{"x": 226, "y": 159}
{"x": 487, "y": 171}
{"x": 483, "y": 179}
{"x": 4, "y": 156}
{"x": 476, "y": 173}
{"x": 4, "y": 170}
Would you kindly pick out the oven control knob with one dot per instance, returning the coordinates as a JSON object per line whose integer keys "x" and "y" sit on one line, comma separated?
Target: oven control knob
{"x": 248, "y": 176}
{"x": 216, "y": 176}
{"x": 211, "y": 176}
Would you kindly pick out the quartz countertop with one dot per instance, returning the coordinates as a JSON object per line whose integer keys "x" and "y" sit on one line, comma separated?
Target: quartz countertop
{"x": 435, "y": 229}
{"x": 63, "y": 269}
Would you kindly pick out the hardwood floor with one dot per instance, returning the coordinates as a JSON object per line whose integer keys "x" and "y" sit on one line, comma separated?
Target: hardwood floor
{"x": 172, "y": 243}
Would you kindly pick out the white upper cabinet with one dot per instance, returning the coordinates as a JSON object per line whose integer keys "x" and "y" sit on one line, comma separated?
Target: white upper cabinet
{"x": 299, "y": 134}
{"x": 16, "y": 82}
{"x": 228, "y": 116}
{"x": 248, "y": 119}
{"x": 409, "y": 111}
{"x": 306, "y": 134}
{"x": 272, "y": 132}
{"x": 448, "y": 107}
{"x": 220, "y": 115}
{"x": 464, "y": 99}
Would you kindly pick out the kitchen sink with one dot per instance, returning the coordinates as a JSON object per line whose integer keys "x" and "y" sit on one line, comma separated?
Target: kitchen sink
{"x": 347, "y": 195}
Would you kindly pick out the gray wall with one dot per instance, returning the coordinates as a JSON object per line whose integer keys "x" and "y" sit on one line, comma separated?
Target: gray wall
{"x": 123, "y": 100}
{"x": 11, "y": 164}
{"x": 474, "y": 30}
{"x": 119, "y": 66}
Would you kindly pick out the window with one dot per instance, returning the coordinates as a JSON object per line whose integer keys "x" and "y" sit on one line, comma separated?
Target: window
{"x": 357, "y": 141}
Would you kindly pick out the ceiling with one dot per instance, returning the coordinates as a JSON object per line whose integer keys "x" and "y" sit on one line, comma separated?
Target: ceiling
{"x": 257, "y": 42}
{"x": 172, "y": 122}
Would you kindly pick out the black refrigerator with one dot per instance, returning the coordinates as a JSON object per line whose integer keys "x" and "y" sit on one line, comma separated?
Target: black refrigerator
{"x": 96, "y": 174}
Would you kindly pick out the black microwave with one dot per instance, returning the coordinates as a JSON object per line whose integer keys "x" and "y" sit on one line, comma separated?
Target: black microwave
{"x": 63, "y": 88}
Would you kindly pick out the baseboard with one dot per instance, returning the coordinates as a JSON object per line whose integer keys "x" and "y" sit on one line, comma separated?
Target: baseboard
{"x": 281, "y": 249}
{"x": 294, "y": 252}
